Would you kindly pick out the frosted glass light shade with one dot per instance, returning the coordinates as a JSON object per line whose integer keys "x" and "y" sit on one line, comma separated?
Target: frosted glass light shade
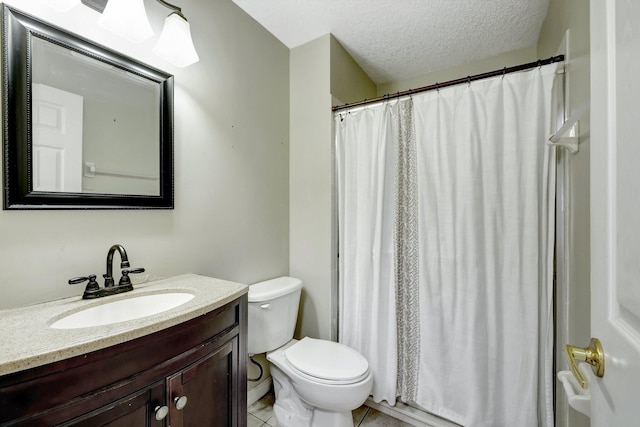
{"x": 175, "y": 44}
{"x": 128, "y": 19}
{"x": 63, "y": 5}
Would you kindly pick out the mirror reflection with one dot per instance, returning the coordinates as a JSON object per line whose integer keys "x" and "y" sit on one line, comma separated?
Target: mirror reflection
{"x": 95, "y": 127}
{"x": 84, "y": 127}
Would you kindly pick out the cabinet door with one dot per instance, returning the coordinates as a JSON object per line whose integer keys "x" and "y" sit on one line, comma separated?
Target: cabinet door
{"x": 210, "y": 386}
{"x": 135, "y": 410}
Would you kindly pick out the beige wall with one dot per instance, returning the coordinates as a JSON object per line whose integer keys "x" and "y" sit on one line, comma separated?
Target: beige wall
{"x": 310, "y": 194}
{"x": 231, "y": 217}
{"x": 349, "y": 83}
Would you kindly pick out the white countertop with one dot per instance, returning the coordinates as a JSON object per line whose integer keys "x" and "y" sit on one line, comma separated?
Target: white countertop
{"x": 27, "y": 341}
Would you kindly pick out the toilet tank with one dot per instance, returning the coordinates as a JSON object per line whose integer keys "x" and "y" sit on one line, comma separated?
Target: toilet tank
{"x": 273, "y": 312}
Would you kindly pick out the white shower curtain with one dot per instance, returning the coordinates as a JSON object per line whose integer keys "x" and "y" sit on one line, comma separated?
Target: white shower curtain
{"x": 446, "y": 222}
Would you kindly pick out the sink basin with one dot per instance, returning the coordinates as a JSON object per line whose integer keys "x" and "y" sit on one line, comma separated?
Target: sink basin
{"x": 123, "y": 310}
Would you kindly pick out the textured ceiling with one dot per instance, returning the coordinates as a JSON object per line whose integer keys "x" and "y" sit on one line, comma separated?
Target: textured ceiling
{"x": 398, "y": 39}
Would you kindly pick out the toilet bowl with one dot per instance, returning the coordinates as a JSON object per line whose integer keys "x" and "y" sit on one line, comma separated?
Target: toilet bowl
{"x": 317, "y": 382}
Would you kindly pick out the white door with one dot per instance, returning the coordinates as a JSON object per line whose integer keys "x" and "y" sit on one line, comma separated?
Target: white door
{"x": 57, "y": 139}
{"x": 615, "y": 209}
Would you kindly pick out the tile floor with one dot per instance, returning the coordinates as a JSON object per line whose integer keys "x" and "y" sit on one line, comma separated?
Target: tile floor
{"x": 260, "y": 414}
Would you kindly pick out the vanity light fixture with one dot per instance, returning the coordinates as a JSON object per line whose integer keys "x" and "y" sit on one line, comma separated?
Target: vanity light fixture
{"x": 128, "y": 19}
{"x": 175, "y": 44}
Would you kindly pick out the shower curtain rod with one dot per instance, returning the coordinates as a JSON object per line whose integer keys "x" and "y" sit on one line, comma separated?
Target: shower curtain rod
{"x": 468, "y": 79}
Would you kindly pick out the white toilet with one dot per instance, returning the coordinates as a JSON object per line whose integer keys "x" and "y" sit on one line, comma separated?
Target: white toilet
{"x": 317, "y": 382}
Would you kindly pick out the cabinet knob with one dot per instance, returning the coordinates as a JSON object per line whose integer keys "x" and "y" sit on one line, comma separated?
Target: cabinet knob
{"x": 180, "y": 402}
{"x": 161, "y": 412}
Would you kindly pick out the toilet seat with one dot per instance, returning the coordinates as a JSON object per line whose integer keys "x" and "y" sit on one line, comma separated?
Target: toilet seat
{"x": 327, "y": 362}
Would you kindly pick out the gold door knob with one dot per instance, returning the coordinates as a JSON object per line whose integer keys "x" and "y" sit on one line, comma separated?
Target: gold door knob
{"x": 593, "y": 355}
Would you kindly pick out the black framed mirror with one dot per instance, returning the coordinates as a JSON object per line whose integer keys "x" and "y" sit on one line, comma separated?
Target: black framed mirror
{"x": 83, "y": 127}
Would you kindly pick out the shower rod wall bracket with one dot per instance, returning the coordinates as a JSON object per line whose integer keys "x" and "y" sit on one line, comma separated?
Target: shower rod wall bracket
{"x": 570, "y": 142}
{"x": 568, "y": 134}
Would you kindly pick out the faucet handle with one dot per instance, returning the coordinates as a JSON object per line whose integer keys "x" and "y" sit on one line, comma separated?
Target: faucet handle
{"x": 91, "y": 286}
{"x": 124, "y": 280}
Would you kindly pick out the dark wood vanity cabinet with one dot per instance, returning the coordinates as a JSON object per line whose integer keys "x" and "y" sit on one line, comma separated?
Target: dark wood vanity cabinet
{"x": 135, "y": 410}
{"x": 134, "y": 383}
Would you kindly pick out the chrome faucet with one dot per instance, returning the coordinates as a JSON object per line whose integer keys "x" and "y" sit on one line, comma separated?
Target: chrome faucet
{"x": 93, "y": 290}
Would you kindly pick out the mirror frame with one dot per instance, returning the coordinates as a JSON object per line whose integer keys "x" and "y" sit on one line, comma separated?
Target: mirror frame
{"x": 17, "y": 34}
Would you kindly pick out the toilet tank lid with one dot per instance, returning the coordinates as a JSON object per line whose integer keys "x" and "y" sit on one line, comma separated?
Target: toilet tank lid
{"x": 274, "y": 288}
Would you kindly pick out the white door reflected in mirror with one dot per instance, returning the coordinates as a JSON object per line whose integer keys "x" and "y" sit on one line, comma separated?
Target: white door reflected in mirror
{"x": 57, "y": 139}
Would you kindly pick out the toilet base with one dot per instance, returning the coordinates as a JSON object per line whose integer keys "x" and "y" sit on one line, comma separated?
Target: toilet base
{"x": 291, "y": 411}
{"x": 323, "y": 418}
